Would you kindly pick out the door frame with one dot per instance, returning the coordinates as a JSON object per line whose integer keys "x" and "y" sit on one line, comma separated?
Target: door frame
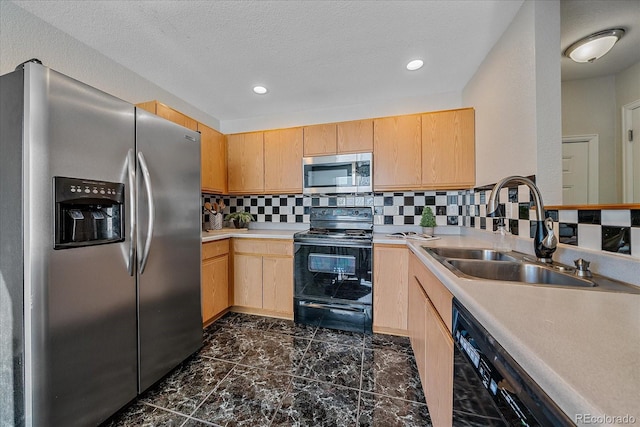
{"x": 627, "y": 152}
{"x": 593, "y": 141}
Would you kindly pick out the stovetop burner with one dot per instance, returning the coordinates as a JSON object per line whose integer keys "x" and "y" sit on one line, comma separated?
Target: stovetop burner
{"x": 344, "y": 223}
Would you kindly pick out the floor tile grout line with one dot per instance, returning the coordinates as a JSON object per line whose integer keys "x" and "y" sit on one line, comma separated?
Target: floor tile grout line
{"x": 284, "y": 396}
{"x": 187, "y": 417}
{"x": 211, "y": 392}
{"x": 361, "y": 381}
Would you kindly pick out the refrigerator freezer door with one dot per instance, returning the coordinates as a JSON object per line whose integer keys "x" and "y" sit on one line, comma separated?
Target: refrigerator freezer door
{"x": 169, "y": 316}
{"x": 81, "y": 354}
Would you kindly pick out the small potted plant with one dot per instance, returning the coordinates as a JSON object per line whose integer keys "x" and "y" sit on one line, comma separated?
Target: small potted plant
{"x": 428, "y": 221}
{"x": 240, "y": 219}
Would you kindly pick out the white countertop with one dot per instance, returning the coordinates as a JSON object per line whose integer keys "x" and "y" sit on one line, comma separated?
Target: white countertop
{"x": 581, "y": 346}
{"x": 226, "y": 233}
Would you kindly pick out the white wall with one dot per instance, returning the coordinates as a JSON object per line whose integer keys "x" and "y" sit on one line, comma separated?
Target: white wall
{"x": 627, "y": 91}
{"x": 24, "y": 36}
{"x": 589, "y": 107}
{"x": 516, "y": 94}
{"x": 433, "y": 102}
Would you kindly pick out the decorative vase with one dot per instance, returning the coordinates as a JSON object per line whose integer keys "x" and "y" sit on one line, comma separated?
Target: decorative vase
{"x": 428, "y": 231}
{"x": 239, "y": 224}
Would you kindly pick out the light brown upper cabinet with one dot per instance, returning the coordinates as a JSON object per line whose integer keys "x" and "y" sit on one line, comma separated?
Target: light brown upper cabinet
{"x": 448, "y": 149}
{"x": 169, "y": 113}
{"x": 397, "y": 153}
{"x": 245, "y": 160}
{"x": 214, "y": 160}
{"x": 355, "y": 136}
{"x": 283, "y": 161}
{"x": 320, "y": 140}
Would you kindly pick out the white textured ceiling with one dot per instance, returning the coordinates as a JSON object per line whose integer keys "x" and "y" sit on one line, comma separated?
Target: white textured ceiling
{"x": 311, "y": 55}
{"x": 580, "y": 18}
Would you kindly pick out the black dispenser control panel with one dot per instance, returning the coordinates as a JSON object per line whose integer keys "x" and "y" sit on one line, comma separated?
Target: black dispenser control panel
{"x": 87, "y": 212}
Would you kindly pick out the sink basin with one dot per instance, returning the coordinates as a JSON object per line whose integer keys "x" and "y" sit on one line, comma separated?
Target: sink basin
{"x": 513, "y": 266}
{"x": 516, "y": 272}
{"x": 466, "y": 253}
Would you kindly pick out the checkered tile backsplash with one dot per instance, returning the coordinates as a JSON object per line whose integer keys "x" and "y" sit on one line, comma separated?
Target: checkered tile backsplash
{"x": 403, "y": 208}
{"x": 607, "y": 230}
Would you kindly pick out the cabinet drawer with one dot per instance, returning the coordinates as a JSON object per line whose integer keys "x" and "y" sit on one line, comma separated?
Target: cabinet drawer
{"x": 214, "y": 249}
{"x": 263, "y": 246}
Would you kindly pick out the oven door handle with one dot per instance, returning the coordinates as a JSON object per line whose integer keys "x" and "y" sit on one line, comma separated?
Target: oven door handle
{"x": 331, "y": 306}
{"x": 335, "y": 244}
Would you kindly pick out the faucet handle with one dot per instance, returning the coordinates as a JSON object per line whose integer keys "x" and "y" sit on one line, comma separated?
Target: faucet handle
{"x": 550, "y": 241}
{"x": 582, "y": 267}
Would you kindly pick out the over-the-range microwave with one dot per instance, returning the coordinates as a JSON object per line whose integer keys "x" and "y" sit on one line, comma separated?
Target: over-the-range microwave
{"x": 339, "y": 174}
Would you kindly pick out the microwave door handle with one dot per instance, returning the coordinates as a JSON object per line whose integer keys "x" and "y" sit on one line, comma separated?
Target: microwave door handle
{"x": 354, "y": 174}
{"x": 149, "y": 188}
{"x": 131, "y": 173}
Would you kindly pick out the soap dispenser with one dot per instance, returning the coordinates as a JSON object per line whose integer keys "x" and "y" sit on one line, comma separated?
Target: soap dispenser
{"x": 502, "y": 237}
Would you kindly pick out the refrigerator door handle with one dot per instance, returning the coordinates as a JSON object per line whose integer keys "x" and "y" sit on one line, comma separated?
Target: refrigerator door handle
{"x": 131, "y": 173}
{"x": 152, "y": 210}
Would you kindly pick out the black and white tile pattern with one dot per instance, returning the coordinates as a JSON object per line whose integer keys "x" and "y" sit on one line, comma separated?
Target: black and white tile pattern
{"x": 401, "y": 208}
{"x": 606, "y": 230}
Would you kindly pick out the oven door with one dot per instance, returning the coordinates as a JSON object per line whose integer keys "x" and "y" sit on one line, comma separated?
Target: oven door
{"x": 333, "y": 285}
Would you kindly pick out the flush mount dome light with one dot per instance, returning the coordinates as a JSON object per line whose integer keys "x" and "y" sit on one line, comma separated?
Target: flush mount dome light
{"x": 260, "y": 90}
{"x": 594, "y": 46}
{"x": 416, "y": 64}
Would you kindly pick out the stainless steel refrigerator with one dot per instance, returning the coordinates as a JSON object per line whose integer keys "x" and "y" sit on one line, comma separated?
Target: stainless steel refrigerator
{"x": 100, "y": 228}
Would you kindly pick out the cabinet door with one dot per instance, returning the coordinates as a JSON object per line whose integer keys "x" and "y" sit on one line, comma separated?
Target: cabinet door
{"x": 283, "y": 161}
{"x": 448, "y": 149}
{"x": 176, "y": 116}
{"x": 215, "y": 286}
{"x": 439, "y": 369}
{"x": 417, "y": 326}
{"x": 397, "y": 152}
{"x": 390, "y": 265}
{"x": 214, "y": 160}
{"x": 355, "y": 136}
{"x": 277, "y": 285}
{"x": 168, "y": 113}
{"x": 245, "y": 156}
{"x": 320, "y": 140}
{"x": 247, "y": 280}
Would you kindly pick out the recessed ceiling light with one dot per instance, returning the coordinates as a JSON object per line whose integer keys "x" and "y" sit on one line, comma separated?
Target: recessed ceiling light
{"x": 260, "y": 90}
{"x": 416, "y": 64}
{"x": 594, "y": 46}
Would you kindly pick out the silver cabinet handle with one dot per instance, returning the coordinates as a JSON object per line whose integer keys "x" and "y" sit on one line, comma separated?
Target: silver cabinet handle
{"x": 131, "y": 173}
{"x": 152, "y": 211}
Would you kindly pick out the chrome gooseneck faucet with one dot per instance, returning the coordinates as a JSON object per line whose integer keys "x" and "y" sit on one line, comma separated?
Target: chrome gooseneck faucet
{"x": 545, "y": 241}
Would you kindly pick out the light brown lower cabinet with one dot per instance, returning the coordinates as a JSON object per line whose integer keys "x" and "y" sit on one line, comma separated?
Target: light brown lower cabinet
{"x": 431, "y": 340}
{"x": 390, "y": 264}
{"x": 263, "y": 277}
{"x": 215, "y": 279}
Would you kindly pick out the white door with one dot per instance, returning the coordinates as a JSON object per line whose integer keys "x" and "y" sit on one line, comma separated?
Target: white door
{"x": 575, "y": 173}
{"x": 635, "y": 129}
{"x": 631, "y": 152}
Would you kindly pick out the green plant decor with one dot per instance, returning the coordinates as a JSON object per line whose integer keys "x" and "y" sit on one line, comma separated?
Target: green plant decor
{"x": 240, "y": 219}
{"x": 428, "y": 219}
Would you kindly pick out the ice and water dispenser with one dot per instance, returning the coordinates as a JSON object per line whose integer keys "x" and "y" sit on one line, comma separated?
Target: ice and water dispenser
{"x": 87, "y": 212}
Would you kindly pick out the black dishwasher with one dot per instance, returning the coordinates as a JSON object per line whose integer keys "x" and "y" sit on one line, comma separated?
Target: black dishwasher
{"x": 490, "y": 388}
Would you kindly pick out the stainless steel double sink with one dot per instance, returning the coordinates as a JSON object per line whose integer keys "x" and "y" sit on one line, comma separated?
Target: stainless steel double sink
{"x": 512, "y": 266}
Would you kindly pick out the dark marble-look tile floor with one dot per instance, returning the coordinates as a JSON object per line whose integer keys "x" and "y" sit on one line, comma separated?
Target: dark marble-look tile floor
{"x": 256, "y": 371}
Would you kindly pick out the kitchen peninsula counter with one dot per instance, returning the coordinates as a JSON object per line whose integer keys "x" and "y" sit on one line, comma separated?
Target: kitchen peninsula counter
{"x": 581, "y": 346}
{"x": 226, "y": 233}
